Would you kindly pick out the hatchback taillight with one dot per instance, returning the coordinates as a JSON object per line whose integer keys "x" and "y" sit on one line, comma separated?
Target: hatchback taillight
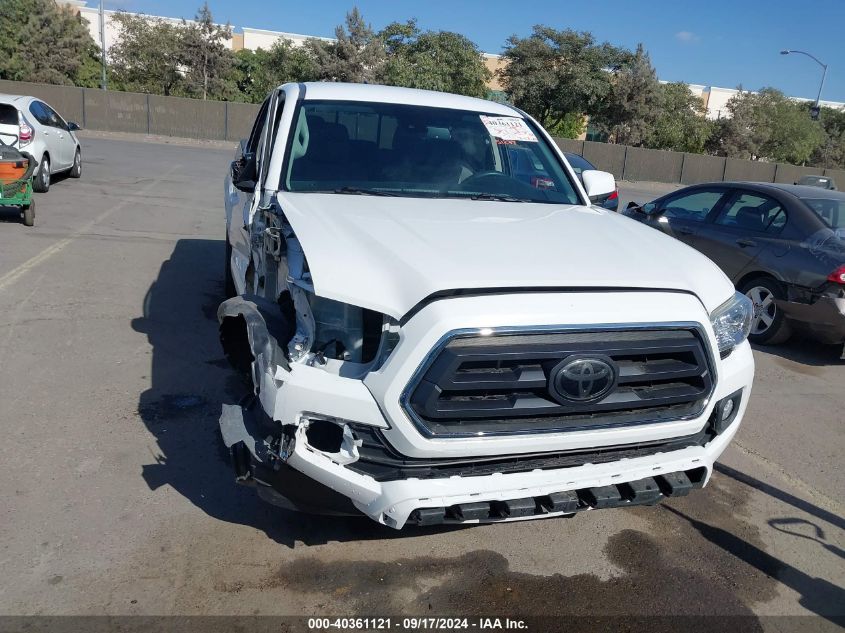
{"x": 838, "y": 275}
{"x": 25, "y": 131}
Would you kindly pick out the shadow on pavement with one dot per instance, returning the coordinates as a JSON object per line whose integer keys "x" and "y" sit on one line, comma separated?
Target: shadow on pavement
{"x": 777, "y": 493}
{"x": 11, "y": 215}
{"x": 817, "y": 595}
{"x": 190, "y": 379}
{"x": 800, "y": 349}
{"x": 795, "y": 527}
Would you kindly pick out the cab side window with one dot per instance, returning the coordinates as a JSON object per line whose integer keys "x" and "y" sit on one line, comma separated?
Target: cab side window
{"x": 694, "y": 206}
{"x": 753, "y": 212}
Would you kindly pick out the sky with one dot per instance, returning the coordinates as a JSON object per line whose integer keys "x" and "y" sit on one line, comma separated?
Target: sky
{"x": 723, "y": 43}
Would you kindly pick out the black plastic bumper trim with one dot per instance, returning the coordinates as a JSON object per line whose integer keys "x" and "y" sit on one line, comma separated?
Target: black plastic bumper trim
{"x": 646, "y": 491}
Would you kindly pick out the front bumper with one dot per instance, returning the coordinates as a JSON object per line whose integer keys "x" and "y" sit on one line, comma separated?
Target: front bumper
{"x": 824, "y": 319}
{"x": 497, "y": 497}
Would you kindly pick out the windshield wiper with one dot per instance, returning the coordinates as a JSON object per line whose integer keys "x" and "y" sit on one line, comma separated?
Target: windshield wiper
{"x": 499, "y": 197}
{"x": 360, "y": 191}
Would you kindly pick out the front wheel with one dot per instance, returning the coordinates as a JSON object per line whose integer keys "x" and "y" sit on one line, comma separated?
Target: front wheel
{"x": 41, "y": 182}
{"x": 76, "y": 170}
{"x": 768, "y": 326}
{"x": 29, "y": 213}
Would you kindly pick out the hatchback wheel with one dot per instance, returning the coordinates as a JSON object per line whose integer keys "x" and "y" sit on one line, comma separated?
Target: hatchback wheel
{"x": 768, "y": 326}
{"x": 41, "y": 183}
{"x": 76, "y": 170}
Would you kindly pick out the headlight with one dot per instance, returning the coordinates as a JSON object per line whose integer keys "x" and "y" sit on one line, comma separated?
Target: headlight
{"x": 732, "y": 322}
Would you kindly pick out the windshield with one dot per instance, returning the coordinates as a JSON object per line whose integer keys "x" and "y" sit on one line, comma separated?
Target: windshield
{"x": 416, "y": 151}
{"x": 831, "y": 209}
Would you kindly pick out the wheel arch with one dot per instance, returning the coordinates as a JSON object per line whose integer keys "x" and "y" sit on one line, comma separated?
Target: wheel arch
{"x": 756, "y": 274}
{"x": 254, "y": 334}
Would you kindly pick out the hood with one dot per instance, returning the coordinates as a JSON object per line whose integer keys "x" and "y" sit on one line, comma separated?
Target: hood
{"x": 388, "y": 254}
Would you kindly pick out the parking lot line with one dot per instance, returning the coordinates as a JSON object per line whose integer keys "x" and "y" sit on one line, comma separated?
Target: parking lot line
{"x": 19, "y": 271}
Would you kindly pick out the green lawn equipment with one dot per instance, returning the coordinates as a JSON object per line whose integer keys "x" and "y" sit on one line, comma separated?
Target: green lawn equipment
{"x": 16, "y": 169}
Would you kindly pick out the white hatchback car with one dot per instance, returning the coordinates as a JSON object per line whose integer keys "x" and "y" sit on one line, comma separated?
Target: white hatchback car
{"x": 31, "y": 125}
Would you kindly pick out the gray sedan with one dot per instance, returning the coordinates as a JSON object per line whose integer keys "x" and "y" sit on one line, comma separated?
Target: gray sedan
{"x": 781, "y": 245}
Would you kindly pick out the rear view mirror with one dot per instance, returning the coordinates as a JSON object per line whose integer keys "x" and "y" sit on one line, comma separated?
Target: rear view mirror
{"x": 73, "y": 126}
{"x": 599, "y": 185}
{"x": 243, "y": 173}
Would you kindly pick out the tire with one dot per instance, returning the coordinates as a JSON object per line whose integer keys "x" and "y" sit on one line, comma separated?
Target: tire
{"x": 769, "y": 327}
{"x": 41, "y": 182}
{"x": 76, "y": 170}
{"x": 29, "y": 213}
{"x": 230, "y": 289}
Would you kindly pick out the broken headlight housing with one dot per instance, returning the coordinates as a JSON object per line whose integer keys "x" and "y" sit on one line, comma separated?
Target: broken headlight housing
{"x": 732, "y": 322}
{"x": 332, "y": 330}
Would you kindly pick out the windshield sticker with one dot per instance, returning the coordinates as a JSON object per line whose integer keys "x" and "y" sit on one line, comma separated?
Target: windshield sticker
{"x": 508, "y": 128}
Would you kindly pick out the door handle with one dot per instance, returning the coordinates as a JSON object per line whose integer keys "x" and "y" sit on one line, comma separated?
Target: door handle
{"x": 685, "y": 231}
{"x": 743, "y": 243}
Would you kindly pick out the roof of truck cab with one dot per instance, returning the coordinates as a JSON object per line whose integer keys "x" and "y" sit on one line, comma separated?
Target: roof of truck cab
{"x": 335, "y": 91}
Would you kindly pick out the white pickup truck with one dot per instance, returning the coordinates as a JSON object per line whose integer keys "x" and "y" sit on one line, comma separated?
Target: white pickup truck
{"x": 439, "y": 326}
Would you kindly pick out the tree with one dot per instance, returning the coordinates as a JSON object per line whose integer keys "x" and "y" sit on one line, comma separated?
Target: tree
{"x": 356, "y": 55}
{"x": 432, "y": 60}
{"x": 257, "y": 72}
{"x": 572, "y": 125}
{"x": 552, "y": 74}
{"x": 147, "y": 54}
{"x": 832, "y": 150}
{"x": 43, "y": 42}
{"x": 633, "y": 102}
{"x": 681, "y": 124}
{"x": 205, "y": 56}
{"x": 767, "y": 125}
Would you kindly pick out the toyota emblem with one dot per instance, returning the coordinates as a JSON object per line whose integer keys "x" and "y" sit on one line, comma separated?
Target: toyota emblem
{"x": 583, "y": 378}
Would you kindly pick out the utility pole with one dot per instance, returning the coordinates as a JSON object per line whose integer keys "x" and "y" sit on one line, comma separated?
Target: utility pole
{"x": 103, "y": 82}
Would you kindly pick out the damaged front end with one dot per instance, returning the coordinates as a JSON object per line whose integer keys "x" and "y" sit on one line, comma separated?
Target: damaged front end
{"x": 299, "y": 352}
{"x": 261, "y": 449}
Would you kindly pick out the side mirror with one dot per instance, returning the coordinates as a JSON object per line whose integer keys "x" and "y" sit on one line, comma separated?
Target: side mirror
{"x": 243, "y": 174}
{"x": 73, "y": 127}
{"x": 598, "y": 185}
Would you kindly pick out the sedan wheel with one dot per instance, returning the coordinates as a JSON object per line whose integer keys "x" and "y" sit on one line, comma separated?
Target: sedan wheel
{"x": 765, "y": 309}
{"x": 768, "y": 325}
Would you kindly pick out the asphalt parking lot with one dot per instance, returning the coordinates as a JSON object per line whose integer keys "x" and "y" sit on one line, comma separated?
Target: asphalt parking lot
{"x": 117, "y": 499}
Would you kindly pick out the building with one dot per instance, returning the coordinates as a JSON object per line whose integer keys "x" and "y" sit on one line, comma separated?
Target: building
{"x": 715, "y": 99}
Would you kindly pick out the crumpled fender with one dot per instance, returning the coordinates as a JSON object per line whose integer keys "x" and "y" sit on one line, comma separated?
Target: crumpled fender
{"x": 267, "y": 330}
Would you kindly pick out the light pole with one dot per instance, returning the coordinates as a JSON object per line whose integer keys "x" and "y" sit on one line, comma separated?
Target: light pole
{"x": 103, "y": 83}
{"x": 824, "y": 74}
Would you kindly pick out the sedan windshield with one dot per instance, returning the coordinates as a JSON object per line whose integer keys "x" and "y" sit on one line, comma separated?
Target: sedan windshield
{"x": 830, "y": 208}
{"x": 414, "y": 151}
